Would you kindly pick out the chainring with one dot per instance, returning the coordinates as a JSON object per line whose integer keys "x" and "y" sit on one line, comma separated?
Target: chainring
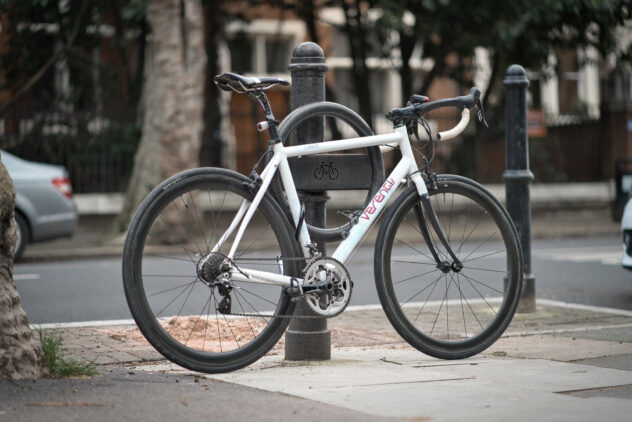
{"x": 332, "y": 299}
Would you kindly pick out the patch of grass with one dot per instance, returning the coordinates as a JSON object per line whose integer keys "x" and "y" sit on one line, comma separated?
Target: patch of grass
{"x": 499, "y": 354}
{"x": 58, "y": 363}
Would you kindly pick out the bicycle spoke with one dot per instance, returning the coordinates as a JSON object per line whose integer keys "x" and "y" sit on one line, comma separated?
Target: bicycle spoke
{"x": 171, "y": 257}
{"x": 471, "y": 310}
{"x": 415, "y": 249}
{"x": 434, "y": 284}
{"x": 243, "y": 311}
{"x": 481, "y": 244}
{"x": 481, "y": 283}
{"x": 458, "y": 286}
{"x": 219, "y": 212}
{"x": 414, "y": 262}
{"x": 441, "y": 222}
{"x": 219, "y": 332}
{"x": 479, "y": 293}
{"x": 185, "y": 299}
{"x": 256, "y": 295}
{"x": 262, "y": 316}
{"x": 167, "y": 242}
{"x": 414, "y": 276}
{"x": 486, "y": 269}
{"x": 208, "y": 310}
{"x": 467, "y": 219}
{"x": 483, "y": 256}
{"x": 207, "y": 303}
{"x": 175, "y": 205}
{"x": 197, "y": 216}
{"x": 173, "y": 300}
{"x": 231, "y": 330}
{"x": 441, "y": 305}
{"x": 174, "y": 288}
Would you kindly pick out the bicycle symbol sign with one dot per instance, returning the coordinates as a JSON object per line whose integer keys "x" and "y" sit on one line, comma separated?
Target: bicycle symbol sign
{"x": 326, "y": 168}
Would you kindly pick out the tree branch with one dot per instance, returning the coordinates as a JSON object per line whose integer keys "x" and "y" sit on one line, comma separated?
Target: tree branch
{"x": 38, "y": 75}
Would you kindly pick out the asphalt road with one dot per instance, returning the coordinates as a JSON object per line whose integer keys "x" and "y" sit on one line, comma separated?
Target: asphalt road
{"x": 585, "y": 271}
{"x": 138, "y": 396}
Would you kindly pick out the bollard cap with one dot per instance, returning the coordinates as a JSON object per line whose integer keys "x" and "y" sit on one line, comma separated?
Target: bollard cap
{"x": 308, "y": 55}
{"x": 516, "y": 76}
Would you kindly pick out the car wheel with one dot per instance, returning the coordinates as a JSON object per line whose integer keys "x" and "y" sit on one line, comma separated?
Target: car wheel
{"x": 22, "y": 235}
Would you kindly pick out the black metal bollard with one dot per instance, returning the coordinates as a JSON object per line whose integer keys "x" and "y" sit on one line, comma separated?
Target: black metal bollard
{"x": 517, "y": 175}
{"x": 309, "y": 339}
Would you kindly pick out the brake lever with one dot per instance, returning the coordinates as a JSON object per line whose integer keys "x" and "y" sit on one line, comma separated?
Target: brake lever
{"x": 481, "y": 111}
{"x": 412, "y": 124}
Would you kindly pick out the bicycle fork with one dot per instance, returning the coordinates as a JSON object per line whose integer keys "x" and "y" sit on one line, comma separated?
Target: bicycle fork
{"x": 427, "y": 210}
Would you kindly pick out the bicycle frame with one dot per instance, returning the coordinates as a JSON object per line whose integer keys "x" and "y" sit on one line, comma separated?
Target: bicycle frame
{"x": 406, "y": 167}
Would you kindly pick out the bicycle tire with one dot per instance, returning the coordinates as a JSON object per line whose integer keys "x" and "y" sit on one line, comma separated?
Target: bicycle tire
{"x": 348, "y": 116}
{"x": 402, "y": 260}
{"x": 162, "y": 251}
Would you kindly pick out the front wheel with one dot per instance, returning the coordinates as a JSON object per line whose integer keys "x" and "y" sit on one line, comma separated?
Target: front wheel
{"x": 445, "y": 312}
{"x": 174, "y": 284}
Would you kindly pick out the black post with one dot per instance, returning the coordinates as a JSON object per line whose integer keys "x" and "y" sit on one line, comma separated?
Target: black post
{"x": 309, "y": 339}
{"x": 517, "y": 176}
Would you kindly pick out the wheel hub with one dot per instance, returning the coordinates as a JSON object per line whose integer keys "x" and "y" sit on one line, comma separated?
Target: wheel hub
{"x": 210, "y": 267}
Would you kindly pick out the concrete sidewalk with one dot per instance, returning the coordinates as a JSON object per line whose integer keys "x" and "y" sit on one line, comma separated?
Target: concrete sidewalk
{"x": 563, "y": 362}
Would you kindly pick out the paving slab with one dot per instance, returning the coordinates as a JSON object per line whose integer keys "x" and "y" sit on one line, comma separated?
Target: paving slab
{"x": 557, "y": 347}
{"x": 406, "y": 384}
{"x": 615, "y": 362}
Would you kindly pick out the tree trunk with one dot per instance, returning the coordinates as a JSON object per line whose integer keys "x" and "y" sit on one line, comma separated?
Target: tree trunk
{"x": 211, "y": 148}
{"x": 173, "y": 98}
{"x": 356, "y": 36}
{"x": 20, "y": 352}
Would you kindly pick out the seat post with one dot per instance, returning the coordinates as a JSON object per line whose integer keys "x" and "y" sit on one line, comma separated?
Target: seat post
{"x": 262, "y": 99}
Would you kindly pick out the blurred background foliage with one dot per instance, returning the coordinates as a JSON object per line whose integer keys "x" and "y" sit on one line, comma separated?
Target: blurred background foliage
{"x": 72, "y": 70}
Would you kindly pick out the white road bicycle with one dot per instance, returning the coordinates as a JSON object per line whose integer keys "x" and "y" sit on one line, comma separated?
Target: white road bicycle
{"x": 215, "y": 262}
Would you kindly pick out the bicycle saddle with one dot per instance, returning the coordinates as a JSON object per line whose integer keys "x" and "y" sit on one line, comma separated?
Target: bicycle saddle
{"x": 238, "y": 83}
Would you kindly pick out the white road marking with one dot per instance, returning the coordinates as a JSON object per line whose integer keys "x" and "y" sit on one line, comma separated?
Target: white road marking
{"x": 82, "y": 324}
{"x": 360, "y": 308}
{"x": 26, "y": 277}
{"x": 606, "y": 255}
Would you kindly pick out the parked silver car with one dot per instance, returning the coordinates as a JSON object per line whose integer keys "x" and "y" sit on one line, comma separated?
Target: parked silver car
{"x": 44, "y": 207}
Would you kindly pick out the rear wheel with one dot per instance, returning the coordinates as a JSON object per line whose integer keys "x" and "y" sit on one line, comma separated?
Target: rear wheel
{"x": 442, "y": 311}
{"x": 170, "y": 275}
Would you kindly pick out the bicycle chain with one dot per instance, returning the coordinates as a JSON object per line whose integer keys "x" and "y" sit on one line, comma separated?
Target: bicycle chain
{"x": 279, "y": 315}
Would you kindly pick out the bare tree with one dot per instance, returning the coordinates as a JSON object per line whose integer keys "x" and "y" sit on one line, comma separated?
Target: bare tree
{"x": 173, "y": 97}
{"x": 20, "y": 353}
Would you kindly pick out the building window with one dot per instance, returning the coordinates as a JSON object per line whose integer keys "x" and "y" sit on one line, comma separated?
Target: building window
{"x": 569, "y": 83}
{"x": 241, "y": 53}
{"x": 263, "y": 47}
{"x": 278, "y": 53}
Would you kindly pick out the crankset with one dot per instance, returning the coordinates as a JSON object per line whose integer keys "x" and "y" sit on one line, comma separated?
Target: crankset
{"x": 327, "y": 287}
